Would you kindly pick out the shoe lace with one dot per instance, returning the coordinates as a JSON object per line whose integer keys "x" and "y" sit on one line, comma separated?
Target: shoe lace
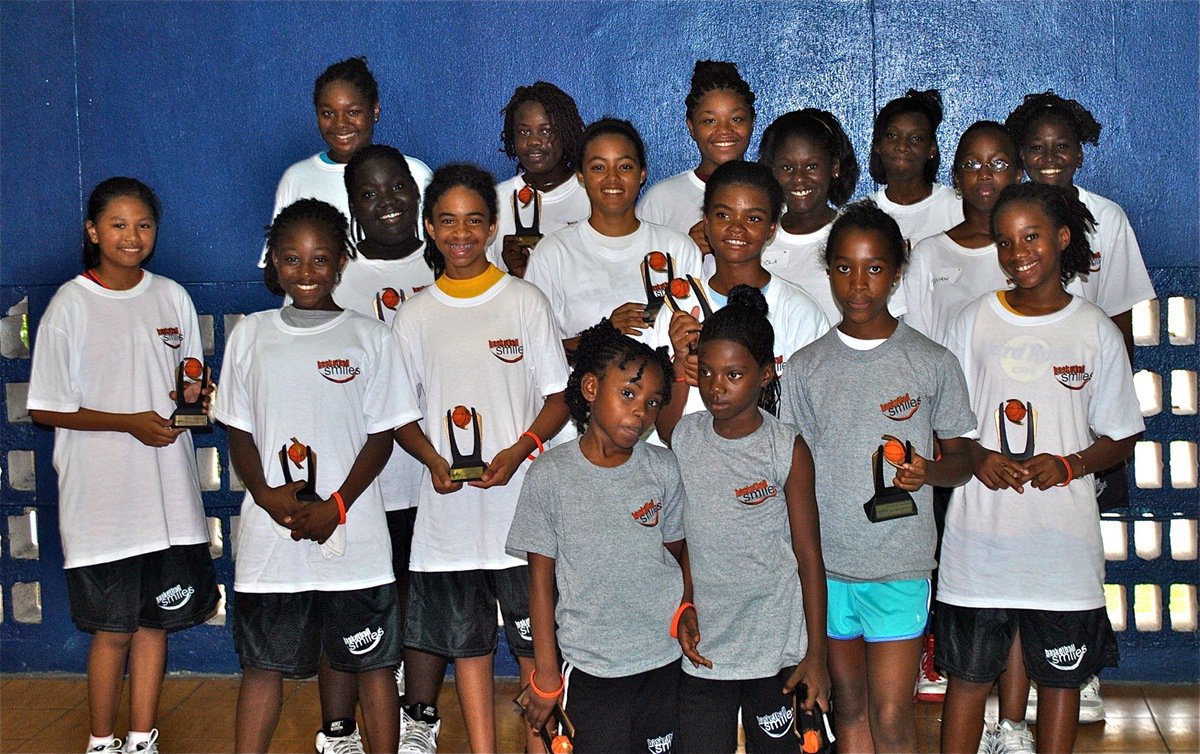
{"x": 149, "y": 746}
{"x": 349, "y": 744}
{"x": 1009, "y": 740}
{"x": 419, "y": 736}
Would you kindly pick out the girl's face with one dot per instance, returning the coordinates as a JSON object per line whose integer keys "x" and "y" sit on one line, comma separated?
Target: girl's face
{"x": 906, "y": 145}
{"x": 805, "y": 171}
{"x": 1029, "y": 246}
{"x": 125, "y": 232}
{"x": 538, "y": 149}
{"x": 625, "y": 402}
{"x": 461, "y": 228}
{"x": 730, "y": 380}
{"x": 346, "y": 119}
{"x": 308, "y": 261}
{"x": 1051, "y": 153}
{"x": 738, "y": 222}
{"x": 384, "y": 202}
{"x": 862, "y": 273}
{"x": 978, "y": 175}
{"x": 611, "y": 174}
{"x": 720, "y": 124}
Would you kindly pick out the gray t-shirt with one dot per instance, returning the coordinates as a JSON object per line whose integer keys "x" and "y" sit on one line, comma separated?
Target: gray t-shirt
{"x": 744, "y": 575}
{"x": 843, "y": 401}
{"x": 618, "y": 586}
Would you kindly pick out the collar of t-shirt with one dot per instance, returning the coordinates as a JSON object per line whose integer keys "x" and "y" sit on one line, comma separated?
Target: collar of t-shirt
{"x": 325, "y": 158}
{"x": 859, "y": 344}
{"x": 471, "y": 287}
{"x": 306, "y": 318}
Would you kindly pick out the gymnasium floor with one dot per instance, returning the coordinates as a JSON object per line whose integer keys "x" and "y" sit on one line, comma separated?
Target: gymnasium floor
{"x": 49, "y": 714}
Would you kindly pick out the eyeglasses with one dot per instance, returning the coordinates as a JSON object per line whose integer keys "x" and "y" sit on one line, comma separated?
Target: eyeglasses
{"x": 974, "y": 166}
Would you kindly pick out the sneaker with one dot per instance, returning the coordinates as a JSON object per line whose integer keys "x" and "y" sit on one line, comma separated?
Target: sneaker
{"x": 351, "y": 743}
{"x": 149, "y": 746}
{"x": 1012, "y": 738}
{"x": 1031, "y": 707}
{"x": 1091, "y": 705}
{"x": 400, "y": 680}
{"x": 420, "y": 723}
{"x": 112, "y": 746}
{"x": 931, "y": 685}
{"x": 987, "y": 742}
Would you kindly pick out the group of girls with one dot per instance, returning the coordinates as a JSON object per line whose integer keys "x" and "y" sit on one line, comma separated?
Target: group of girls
{"x": 467, "y": 321}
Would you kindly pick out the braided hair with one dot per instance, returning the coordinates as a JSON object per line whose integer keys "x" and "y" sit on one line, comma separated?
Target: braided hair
{"x": 822, "y": 129}
{"x": 1064, "y": 210}
{"x": 709, "y": 75}
{"x": 560, "y": 109}
{"x": 601, "y": 346}
{"x": 927, "y": 103}
{"x": 312, "y": 212}
{"x": 743, "y": 320}
{"x": 1040, "y": 107}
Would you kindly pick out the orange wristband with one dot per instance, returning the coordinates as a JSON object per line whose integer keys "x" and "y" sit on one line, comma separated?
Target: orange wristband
{"x": 544, "y": 694}
{"x": 1070, "y": 472}
{"x": 681, "y": 378}
{"x": 536, "y": 441}
{"x": 341, "y": 504}
{"x": 678, "y": 615}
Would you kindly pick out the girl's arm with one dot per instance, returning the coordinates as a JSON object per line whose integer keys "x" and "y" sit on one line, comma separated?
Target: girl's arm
{"x": 416, "y": 444}
{"x": 684, "y": 332}
{"x": 689, "y": 622}
{"x": 951, "y": 470}
{"x": 805, "y": 525}
{"x": 317, "y": 521}
{"x": 549, "y": 421}
{"x": 1044, "y": 471}
{"x": 545, "y": 640}
{"x": 279, "y": 502}
{"x": 147, "y": 426}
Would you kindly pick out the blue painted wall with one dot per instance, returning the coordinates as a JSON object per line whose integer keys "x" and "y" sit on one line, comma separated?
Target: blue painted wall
{"x": 209, "y": 102}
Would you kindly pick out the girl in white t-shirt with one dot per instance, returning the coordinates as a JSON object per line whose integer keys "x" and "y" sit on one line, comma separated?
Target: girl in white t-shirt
{"x": 135, "y": 543}
{"x": 310, "y": 396}
{"x": 485, "y": 358}
{"x": 1021, "y": 578}
{"x": 811, "y": 157}
{"x": 905, "y": 159}
{"x": 720, "y": 119}
{"x": 541, "y": 132}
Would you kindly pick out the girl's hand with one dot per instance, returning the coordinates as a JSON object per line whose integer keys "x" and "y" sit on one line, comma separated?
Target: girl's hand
{"x": 1045, "y": 471}
{"x": 515, "y": 255}
{"x": 911, "y": 476}
{"x": 629, "y": 318}
{"x": 684, "y": 332}
{"x": 503, "y": 465}
{"x": 315, "y": 521}
{"x": 689, "y": 638}
{"x": 698, "y": 235}
{"x": 814, "y": 674}
{"x": 537, "y": 710}
{"x": 998, "y": 472}
{"x": 280, "y": 503}
{"x": 151, "y": 429}
{"x": 439, "y": 473}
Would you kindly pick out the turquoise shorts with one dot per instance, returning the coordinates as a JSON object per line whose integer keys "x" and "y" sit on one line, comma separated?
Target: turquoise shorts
{"x": 877, "y": 610}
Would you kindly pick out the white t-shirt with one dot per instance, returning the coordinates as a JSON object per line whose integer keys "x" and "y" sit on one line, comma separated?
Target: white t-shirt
{"x": 942, "y": 278}
{"x": 501, "y": 354}
{"x": 328, "y": 386}
{"x": 1118, "y": 279}
{"x": 117, "y": 351}
{"x": 318, "y": 177}
{"x": 561, "y": 206}
{"x": 1040, "y": 549}
{"x": 676, "y": 202}
{"x": 938, "y": 212}
{"x": 586, "y": 275}
{"x": 376, "y": 287}
{"x": 800, "y": 259}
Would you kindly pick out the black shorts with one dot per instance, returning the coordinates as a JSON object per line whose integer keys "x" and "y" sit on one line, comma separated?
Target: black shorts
{"x": 632, "y": 713}
{"x": 1062, "y": 649}
{"x": 358, "y": 630}
{"x": 400, "y": 529}
{"x": 170, "y": 589}
{"x": 708, "y": 714}
{"x": 453, "y": 613}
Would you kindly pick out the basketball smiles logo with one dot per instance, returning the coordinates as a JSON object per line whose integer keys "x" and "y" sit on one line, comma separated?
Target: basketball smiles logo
{"x": 1072, "y": 376}
{"x": 778, "y": 365}
{"x": 338, "y": 370}
{"x": 776, "y": 724}
{"x": 901, "y": 408}
{"x": 508, "y": 350}
{"x": 647, "y": 515}
{"x": 171, "y": 336}
{"x": 1066, "y": 657}
{"x": 175, "y": 597}
{"x": 363, "y": 641}
{"x": 1094, "y": 261}
{"x": 757, "y": 493}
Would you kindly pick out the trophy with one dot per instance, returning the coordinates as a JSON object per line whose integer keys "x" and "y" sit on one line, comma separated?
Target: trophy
{"x": 1013, "y": 411}
{"x": 889, "y": 503}
{"x": 526, "y": 235}
{"x": 556, "y": 743}
{"x": 190, "y": 414}
{"x": 470, "y": 467}
{"x": 656, "y": 292}
{"x": 810, "y": 726}
{"x": 684, "y": 287}
{"x": 304, "y": 458}
{"x": 387, "y": 300}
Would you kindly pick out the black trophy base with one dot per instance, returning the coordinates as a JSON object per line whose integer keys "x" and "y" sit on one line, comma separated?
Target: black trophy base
{"x": 890, "y": 506}
{"x": 190, "y": 420}
{"x": 471, "y": 473}
{"x": 528, "y": 240}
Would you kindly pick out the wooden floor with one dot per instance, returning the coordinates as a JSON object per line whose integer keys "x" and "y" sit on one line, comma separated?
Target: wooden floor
{"x": 49, "y": 714}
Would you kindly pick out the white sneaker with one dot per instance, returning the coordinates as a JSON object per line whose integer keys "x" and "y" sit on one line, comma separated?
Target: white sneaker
{"x": 931, "y": 685}
{"x": 987, "y": 742}
{"x": 419, "y": 734}
{"x": 1011, "y": 738}
{"x": 1091, "y": 705}
{"x": 112, "y": 746}
{"x": 400, "y": 680}
{"x": 149, "y": 746}
{"x": 348, "y": 744}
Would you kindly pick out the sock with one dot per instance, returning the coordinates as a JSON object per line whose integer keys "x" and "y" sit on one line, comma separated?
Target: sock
{"x": 136, "y": 737}
{"x": 99, "y": 742}
{"x": 339, "y": 728}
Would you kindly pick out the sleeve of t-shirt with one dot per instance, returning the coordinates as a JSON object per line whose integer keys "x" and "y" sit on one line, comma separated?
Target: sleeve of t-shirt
{"x": 1124, "y": 281}
{"x": 389, "y": 401}
{"x": 543, "y": 272}
{"x": 913, "y": 294}
{"x": 405, "y": 350}
{"x": 533, "y": 524}
{"x": 959, "y": 334}
{"x": 232, "y": 406}
{"x": 548, "y": 362}
{"x": 952, "y": 414}
{"x": 189, "y": 324}
{"x": 52, "y": 380}
{"x": 674, "y": 498}
{"x": 793, "y": 404}
{"x": 1114, "y": 410}
{"x": 650, "y": 208}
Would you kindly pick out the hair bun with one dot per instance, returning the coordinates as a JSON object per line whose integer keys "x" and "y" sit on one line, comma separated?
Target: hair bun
{"x": 749, "y": 297}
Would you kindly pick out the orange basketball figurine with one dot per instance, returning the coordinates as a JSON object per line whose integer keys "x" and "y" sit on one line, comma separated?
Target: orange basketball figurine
{"x": 525, "y": 195}
{"x": 297, "y": 452}
{"x": 893, "y": 450}
{"x": 390, "y": 298}
{"x": 658, "y": 261}
{"x": 192, "y": 368}
{"x": 461, "y": 417}
{"x": 680, "y": 288}
{"x": 561, "y": 745}
{"x": 1014, "y": 411}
